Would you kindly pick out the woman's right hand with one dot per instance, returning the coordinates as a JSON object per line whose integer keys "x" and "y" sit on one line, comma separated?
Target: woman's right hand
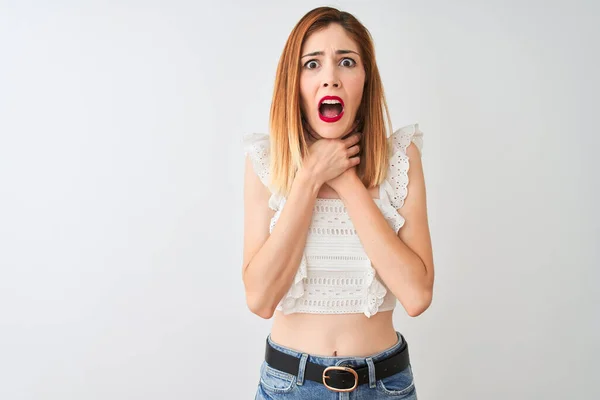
{"x": 328, "y": 158}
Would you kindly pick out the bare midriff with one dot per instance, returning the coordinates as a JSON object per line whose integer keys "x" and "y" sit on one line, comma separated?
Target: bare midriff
{"x": 344, "y": 335}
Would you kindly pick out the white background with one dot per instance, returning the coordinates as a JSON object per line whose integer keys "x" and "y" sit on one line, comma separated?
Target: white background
{"x": 121, "y": 171}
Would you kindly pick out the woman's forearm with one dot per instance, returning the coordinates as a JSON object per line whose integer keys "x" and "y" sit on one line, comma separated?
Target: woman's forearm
{"x": 269, "y": 274}
{"x": 402, "y": 270}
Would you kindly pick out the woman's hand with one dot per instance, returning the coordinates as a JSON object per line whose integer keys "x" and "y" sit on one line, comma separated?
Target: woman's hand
{"x": 329, "y": 158}
{"x": 339, "y": 180}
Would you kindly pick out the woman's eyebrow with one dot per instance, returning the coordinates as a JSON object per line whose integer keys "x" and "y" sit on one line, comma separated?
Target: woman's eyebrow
{"x": 321, "y": 53}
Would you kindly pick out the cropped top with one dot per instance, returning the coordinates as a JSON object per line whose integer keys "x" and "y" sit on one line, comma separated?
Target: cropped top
{"x": 335, "y": 275}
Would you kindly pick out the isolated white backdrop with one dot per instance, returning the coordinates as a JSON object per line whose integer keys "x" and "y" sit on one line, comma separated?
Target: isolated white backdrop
{"x": 121, "y": 193}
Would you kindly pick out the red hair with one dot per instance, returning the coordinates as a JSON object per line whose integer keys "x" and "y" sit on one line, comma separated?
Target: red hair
{"x": 288, "y": 144}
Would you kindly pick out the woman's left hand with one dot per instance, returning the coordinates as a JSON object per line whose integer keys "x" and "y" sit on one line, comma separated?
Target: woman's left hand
{"x": 345, "y": 178}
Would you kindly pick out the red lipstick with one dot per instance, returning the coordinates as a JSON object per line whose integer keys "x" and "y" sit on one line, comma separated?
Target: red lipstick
{"x": 332, "y": 100}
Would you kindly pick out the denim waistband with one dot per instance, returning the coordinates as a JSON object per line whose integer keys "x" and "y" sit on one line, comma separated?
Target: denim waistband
{"x": 339, "y": 360}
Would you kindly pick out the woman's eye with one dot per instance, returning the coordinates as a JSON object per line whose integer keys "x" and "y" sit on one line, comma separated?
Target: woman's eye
{"x": 348, "y": 62}
{"x": 312, "y": 64}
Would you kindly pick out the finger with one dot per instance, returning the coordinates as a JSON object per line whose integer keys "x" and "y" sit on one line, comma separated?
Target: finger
{"x": 353, "y": 139}
{"x": 354, "y": 150}
{"x": 354, "y": 161}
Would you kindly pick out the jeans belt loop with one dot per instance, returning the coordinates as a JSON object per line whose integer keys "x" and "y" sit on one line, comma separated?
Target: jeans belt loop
{"x": 372, "y": 378}
{"x": 301, "y": 369}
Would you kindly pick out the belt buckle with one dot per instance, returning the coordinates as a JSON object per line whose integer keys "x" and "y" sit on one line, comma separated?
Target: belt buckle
{"x": 340, "y": 368}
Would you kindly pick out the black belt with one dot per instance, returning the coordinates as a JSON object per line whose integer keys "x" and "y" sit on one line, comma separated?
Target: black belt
{"x": 339, "y": 378}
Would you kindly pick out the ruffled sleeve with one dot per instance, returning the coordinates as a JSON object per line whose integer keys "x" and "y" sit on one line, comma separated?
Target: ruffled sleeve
{"x": 296, "y": 290}
{"x": 376, "y": 292}
{"x": 394, "y": 189}
{"x": 257, "y": 147}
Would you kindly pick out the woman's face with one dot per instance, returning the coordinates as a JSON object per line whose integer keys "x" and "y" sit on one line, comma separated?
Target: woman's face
{"x": 332, "y": 79}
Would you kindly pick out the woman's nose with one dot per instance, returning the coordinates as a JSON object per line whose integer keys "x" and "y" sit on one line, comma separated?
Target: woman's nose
{"x": 331, "y": 78}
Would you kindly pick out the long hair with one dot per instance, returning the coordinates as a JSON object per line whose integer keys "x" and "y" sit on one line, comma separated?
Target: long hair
{"x": 288, "y": 143}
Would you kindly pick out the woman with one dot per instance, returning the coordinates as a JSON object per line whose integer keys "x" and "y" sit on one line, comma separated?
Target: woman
{"x": 331, "y": 237}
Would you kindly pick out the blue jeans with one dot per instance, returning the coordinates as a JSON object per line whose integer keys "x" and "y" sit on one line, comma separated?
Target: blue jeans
{"x": 275, "y": 384}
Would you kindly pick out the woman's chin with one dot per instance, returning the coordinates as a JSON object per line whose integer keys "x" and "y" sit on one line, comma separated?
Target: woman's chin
{"x": 334, "y": 130}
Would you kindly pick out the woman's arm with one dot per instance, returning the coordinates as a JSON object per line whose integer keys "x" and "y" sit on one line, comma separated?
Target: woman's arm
{"x": 271, "y": 260}
{"x": 404, "y": 261}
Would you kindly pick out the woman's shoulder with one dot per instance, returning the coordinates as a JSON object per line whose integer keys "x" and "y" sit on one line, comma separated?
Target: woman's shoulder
{"x": 257, "y": 148}
{"x": 402, "y": 137}
{"x": 256, "y": 144}
{"x": 395, "y": 185}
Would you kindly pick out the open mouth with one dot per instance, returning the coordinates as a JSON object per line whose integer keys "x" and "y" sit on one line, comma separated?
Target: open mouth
{"x": 331, "y": 108}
